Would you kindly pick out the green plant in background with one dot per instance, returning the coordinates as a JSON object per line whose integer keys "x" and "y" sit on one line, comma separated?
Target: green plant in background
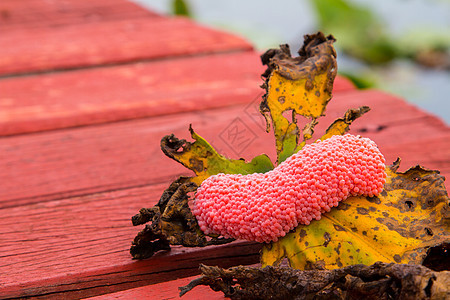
{"x": 362, "y": 35}
{"x": 358, "y": 30}
{"x": 181, "y": 8}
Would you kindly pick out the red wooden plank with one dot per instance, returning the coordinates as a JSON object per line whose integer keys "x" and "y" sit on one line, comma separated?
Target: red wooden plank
{"x": 120, "y": 41}
{"x": 124, "y": 92}
{"x": 113, "y": 156}
{"x": 38, "y": 13}
{"x": 51, "y": 101}
{"x": 78, "y": 247}
{"x": 165, "y": 290}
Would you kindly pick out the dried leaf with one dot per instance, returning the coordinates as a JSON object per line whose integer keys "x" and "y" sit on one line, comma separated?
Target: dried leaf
{"x": 408, "y": 217}
{"x": 300, "y": 85}
{"x": 379, "y": 281}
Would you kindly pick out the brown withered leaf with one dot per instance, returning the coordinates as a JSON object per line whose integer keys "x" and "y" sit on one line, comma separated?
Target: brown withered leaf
{"x": 378, "y": 281}
{"x": 172, "y": 223}
{"x": 171, "y": 220}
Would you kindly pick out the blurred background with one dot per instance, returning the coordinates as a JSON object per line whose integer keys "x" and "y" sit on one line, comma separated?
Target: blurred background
{"x": 400, "y": 46}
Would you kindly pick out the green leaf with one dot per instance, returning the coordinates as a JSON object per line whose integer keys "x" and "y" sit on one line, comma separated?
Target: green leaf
{"x": 204, "y": 160}
{"x": 181, "y": 8}
{"x": 358, "y": 30}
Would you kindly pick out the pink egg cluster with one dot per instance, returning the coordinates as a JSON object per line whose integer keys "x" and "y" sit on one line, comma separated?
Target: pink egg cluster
{"x": 265, "y": 206}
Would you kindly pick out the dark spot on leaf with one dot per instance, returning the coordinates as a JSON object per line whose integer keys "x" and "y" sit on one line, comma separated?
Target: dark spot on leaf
{"x": 385, "y": 214}
{"x": 339, "y": 263}
{"x": 337, "y": 249}
{"x": 197, "y": 165}
{"x": 317, "y": 93}
{"x": 306, "y": 244}
{"x": 358, "y": 250}
{"x": 364, "y": 233}
{"x": 277, "y": 89}
{"x": 390, "y": 225}
{"x": 362, "y": 211}
{"x": 343, "y": 206}
{"x": 350, "y": 257}
{"x": 429, "y": 231}
{"x": 339, "y": 228}
{"x": 397, "y": 258}
{"x": 374, "y": 199}
{"x": 327, "y": 238}
{"x": 356, "y": 217}
{"x": 376, "y": 228}
{"x": 354, "y": 229}
{"x": 409, "y": 203}
{"x": 429, "y": 203}
{"x": 383, "y": 193}
{"x": 372, "y": 209}
{"x": 317, "y": 265}
{"x": 302, "y": 233}
{"x": 281, "y": 99}
{"x": 406, "y": 219}
{"x": 375, "y": 238}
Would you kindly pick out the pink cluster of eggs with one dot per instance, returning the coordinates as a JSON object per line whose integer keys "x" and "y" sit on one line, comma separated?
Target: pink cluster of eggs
{"x": 265, "y": 206}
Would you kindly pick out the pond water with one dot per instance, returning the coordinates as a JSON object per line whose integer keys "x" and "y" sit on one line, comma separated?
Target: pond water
{"x": 267, "y": 25}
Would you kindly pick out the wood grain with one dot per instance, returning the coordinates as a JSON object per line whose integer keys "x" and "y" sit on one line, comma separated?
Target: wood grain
{"x": 30, "y": 14}
{"x": 112, "y": 42}
{"x": 78, "y": 247}
{"x": 131, "y": 91}
{"x": 165, "y": 290}
{"x": 87, "y": 90}
{"x": 113, "y": 156}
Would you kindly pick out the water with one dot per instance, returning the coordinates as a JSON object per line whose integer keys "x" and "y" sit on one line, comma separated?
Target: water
{"x": 268, "y": 23}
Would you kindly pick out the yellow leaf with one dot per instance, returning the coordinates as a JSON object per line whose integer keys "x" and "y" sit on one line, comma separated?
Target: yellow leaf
{"x": 342, "y": 125}
{"x": 409, "y": 216}
{"x": 301, "y": 85}
{"x": 298, "y": 85}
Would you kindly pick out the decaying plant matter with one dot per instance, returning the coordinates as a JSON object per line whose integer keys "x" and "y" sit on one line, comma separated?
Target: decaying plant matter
{"x": 378, "y": 281}
{"x": 361, "y": 239}
{"x": 174, "y": 224}
{"x": 171, "y": 214}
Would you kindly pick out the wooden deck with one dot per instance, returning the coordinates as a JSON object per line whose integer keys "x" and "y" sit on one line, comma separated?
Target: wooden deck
{"x": 87, "y": 90}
